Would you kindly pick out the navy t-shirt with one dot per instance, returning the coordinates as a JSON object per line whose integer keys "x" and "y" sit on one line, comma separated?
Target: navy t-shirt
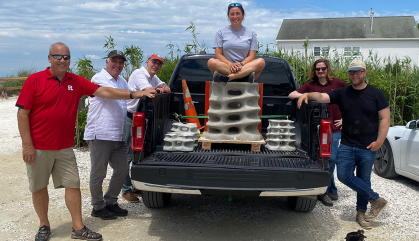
{"x": 359, "y": 109}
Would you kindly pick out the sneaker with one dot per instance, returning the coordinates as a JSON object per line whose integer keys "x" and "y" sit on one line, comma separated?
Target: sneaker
{"x": 217, "y": 77}
{"x": 325, "y": 200}
{"x": 85, "y": 234}
{"x": 377, "y": 207}
{"x": 104, "y": 214}
{"x": 251, "y": 77}
{"x": 360, "y": 219}
{"x": 44, "y": 233}
{"x": 117, "y": 210}
{"x": 333, "y": 196}
{"x": 130, "y": 197}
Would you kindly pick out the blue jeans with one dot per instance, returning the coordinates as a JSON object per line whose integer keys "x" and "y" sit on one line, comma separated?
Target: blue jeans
{"x": 349, "y": 158}
{"x": 332, "y": 189}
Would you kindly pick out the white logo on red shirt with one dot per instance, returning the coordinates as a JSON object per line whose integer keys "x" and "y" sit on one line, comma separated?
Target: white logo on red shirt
{"x": 70, "y": 87}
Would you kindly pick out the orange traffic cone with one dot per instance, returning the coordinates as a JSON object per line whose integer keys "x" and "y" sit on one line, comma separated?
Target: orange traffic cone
{"x": 189, "y": 107}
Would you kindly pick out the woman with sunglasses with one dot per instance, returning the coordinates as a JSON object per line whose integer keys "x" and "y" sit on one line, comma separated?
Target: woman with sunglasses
{"x": 323, "y": 82}
{"x": 235, "y": 50}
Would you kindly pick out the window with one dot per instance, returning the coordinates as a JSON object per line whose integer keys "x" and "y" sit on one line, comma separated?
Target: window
{"x": 350, "y": 52}
{"x": 317, "y": 51}
{"x": 321, "y": 52}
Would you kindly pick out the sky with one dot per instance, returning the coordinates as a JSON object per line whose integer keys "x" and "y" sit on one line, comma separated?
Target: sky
{"x": 28, "y": 28}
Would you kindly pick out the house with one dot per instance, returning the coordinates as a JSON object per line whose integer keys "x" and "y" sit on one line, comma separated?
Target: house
{"x": 386, "y": 36}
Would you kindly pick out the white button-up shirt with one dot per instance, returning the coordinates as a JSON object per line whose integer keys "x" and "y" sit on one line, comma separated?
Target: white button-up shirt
{"x": 139, "y": 80}
{"x": 106, "y": 117}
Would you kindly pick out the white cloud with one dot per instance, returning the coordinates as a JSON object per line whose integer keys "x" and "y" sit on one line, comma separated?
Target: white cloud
{"x": 92, "y": 56}
{"x": 151, "y": 25}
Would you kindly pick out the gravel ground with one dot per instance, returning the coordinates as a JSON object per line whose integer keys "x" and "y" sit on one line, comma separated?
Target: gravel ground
{"x": 196, "y": 217}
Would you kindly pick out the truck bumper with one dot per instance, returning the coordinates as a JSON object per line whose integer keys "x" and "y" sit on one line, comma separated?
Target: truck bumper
{"x": 209, "y": 180}
{"x": 280, "y": 192}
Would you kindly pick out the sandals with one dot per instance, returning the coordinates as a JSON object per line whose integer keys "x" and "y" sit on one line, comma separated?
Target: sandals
{"x": 85, "y": 234}
{"x": 44, "y": 233}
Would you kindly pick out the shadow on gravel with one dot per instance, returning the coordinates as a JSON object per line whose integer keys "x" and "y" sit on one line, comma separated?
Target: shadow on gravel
{"x": 412, "y": 184}
{"x": 244, "y": 218}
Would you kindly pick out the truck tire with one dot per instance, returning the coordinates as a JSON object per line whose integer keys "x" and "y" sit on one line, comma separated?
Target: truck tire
{"x": 156, "y": 199}
{"x": 301, "y": 204}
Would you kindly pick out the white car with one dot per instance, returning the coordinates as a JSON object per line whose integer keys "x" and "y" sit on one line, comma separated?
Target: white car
{"x": 399, "y": 155}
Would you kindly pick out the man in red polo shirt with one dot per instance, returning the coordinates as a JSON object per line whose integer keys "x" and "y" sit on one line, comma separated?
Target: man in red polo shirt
{"x": 46, "y": 119}
{"x": 323, "y": 82}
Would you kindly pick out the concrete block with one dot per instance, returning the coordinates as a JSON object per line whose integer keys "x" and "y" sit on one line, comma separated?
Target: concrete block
{"x": 281, "y": 135}
{"x": 181, "y": 138}
{"x": 233, "y": 112}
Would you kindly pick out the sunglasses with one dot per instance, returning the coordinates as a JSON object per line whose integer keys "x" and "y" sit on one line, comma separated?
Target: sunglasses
{"x": 59, "y": 57}
{"x": 234, "y": 5}
{"x": 322, "y": 68}
{"x": 156, "y": 62}
{"x": 358, "y": 72}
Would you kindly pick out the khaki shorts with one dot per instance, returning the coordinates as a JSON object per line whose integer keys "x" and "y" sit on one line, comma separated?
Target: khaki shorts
{"x": 61, "y": 164}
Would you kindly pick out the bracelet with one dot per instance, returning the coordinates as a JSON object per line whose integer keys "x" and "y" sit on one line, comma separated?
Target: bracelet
{"x": 242, "y": 63}
{"x": 130, "y": 95}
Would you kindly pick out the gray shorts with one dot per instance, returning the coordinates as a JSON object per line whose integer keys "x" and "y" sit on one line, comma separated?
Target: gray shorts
{"x": 61, "y": 164}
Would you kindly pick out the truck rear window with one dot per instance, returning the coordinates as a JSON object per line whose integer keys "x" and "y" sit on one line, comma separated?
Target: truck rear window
{"x": 275, "y": 77}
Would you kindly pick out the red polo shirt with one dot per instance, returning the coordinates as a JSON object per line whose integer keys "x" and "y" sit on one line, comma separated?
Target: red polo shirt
{"x": 53, "y": 107}
{"x": 315, "y": 86}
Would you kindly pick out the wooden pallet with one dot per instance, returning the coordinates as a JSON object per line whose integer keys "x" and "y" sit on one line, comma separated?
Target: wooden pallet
{"x": 206, "y": 143}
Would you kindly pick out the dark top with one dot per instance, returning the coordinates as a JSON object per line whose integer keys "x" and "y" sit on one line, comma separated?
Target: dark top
{"x": 315, "y": 86}
{"x": 359, "y": 110}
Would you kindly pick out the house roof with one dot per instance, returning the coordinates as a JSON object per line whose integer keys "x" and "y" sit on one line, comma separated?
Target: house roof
{"x": 344, "y": 28}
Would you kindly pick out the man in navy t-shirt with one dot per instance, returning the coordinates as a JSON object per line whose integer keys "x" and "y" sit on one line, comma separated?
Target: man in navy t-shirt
{"x": 323, "y": 82}
{"x": 360, "y": 105}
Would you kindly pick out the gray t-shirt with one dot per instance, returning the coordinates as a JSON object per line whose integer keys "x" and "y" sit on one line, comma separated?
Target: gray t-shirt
{"x": 236, "y": 44}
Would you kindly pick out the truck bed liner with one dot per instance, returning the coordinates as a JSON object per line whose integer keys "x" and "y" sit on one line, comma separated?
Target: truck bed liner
{"x": 233, "y": 158}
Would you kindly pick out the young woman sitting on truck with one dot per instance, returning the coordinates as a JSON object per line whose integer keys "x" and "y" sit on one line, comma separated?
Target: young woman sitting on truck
{"x": 235, "y": 50}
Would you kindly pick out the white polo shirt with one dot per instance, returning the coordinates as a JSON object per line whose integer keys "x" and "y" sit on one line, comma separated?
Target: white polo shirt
{"x": 139, "y": 80}
{"x": 106, "y": 117}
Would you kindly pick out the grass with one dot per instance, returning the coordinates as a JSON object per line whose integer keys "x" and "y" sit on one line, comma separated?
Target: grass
{"x": 397, "y": 78}
{"x": 19, "y": 73}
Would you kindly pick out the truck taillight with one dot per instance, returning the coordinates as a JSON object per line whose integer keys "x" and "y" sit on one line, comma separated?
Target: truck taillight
{"x": 138, "y": 132}
{"x": 325, "y": 136}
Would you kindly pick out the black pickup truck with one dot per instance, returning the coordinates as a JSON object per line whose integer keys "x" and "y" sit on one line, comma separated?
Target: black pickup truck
{"x": 231, "y": 169}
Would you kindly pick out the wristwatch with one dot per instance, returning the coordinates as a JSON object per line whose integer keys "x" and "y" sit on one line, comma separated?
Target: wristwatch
{"x": 130, "y": 95}
{"x": 242, "y": 63}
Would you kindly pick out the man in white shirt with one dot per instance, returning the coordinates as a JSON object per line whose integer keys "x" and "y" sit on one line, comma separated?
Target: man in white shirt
{"x": 144, "y": 78}
{"x": 105, "y": 133}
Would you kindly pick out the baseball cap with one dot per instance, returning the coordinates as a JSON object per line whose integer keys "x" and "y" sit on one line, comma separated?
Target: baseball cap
{"x": 356, "y": 64}
{"x": 116, "y": 53}
{"x": 156, "y": 56}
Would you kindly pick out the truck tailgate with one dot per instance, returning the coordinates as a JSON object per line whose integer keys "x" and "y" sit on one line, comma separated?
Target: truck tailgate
{"x": 226, "y": 169}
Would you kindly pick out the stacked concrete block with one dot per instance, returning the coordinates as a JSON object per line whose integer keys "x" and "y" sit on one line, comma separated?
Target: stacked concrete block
{"x": 181, "y": 138}
{"x": 281, "y": 135}
{"x": 185, "y": 127}
{"x": 233, "y": 112}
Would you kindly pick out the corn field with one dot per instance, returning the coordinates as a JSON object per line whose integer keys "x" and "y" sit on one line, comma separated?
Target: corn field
{"x": 397, "y": 78}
